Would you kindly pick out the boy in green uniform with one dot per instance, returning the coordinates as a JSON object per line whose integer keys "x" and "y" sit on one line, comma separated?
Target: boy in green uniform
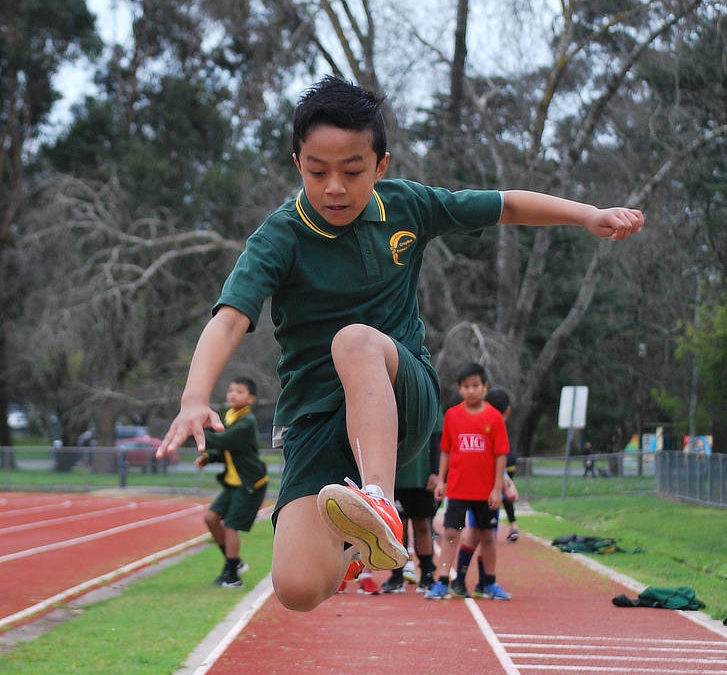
{"x": 414, "y": 494}
{"x": 341, "y": 262}
{"x": 243, "y": 480}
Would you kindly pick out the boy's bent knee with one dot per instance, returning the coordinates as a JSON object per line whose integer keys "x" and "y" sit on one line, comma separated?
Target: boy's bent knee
{"x": 355, "y": 336}
{"x": 296, "y": 592}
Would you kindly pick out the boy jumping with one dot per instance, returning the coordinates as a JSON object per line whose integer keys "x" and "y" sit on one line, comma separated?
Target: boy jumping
{"x": 359, "y": 396}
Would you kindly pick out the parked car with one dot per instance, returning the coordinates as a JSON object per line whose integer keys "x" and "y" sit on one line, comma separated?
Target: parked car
{"x": 133, "y": 444}
{"x": 141, "y": 452}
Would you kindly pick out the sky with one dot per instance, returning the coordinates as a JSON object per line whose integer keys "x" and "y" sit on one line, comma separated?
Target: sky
{"x": 75, "y": 81}
{"x": 498, "y": 39}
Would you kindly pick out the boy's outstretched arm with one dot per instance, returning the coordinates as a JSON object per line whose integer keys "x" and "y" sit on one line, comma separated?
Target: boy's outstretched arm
{"x": 217, "y": 343}
{"x": 521, "y": 207}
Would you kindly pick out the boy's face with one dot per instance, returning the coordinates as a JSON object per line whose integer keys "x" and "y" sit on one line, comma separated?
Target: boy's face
{"x": 339, "y": 171}
{"x": 238, "y": 396}
{"x": 472, "y": 390}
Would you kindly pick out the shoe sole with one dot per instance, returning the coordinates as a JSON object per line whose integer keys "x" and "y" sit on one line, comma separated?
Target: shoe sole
{"x": 454, "y": 594}
{"x": 388, "y": 591}
{"x": 227, "y": 584}
{"x": 356, "y": 522}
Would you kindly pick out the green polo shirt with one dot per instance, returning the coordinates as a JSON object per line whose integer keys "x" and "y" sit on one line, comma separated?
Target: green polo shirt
{"x": 322, "y": 278}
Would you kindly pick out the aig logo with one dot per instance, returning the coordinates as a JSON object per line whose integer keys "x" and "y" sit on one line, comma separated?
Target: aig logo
{"x": 471, "y": 443}
{"x": 399, "y": 244}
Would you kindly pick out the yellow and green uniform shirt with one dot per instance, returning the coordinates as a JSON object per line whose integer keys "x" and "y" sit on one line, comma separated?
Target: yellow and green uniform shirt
{"x": 237, "y": 447}
{"x": 322, "y": 278}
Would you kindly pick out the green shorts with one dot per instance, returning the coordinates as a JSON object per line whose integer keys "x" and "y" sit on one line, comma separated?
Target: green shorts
{"x": 238, "y": 506}
{"x": 316, "y": 447}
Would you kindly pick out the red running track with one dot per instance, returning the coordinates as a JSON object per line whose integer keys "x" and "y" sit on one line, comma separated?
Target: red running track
{"x": 560, "y": 620}
{"x": 50, "y": 543}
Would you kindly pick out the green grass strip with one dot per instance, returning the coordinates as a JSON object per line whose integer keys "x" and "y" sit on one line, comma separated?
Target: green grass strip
{"x": 153, "y": 626}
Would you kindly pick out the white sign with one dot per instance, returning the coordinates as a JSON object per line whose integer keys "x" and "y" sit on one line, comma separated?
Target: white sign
{"x": 573, "y": 404}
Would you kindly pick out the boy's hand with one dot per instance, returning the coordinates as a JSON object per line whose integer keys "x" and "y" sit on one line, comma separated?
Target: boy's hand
{"x": 192, "y": 420}
{"x": 495, "y": 499}
{"x": 202, "y": 461}
{"x": 440, "y": 490}
{"x": 616, "y": 223}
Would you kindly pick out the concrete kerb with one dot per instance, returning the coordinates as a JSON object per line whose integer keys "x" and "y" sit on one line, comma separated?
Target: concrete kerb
{"x": 219, "y": 638}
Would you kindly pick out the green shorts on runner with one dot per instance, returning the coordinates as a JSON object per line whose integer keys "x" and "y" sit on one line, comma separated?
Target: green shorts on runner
{"x": 238, "y": 505}
{"x": 316, "y": 447}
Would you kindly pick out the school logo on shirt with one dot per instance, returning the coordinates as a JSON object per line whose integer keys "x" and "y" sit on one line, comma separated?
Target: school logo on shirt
{"x": 399, "y": 244}
{"x": 471, "y": 443}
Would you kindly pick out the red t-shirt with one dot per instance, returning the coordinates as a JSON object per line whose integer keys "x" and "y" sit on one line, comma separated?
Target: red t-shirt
{"x": 472, "y": 442}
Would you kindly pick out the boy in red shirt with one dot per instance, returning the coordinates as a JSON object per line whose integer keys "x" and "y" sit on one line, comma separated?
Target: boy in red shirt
{"x": 471, "y": 468}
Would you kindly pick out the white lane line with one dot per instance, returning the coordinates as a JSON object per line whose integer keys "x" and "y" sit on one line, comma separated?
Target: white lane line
{"x": 720, "y": 650}
{"x": 221, "y": 636}
{"x": 629, "y": 670}
{"x": 693, "y": 660}
{"x": 502, "y": 656}
{"x": 590, "y": 639}
{"x": 66, "y": 519}
{"x": 98, "y": 535}
{"x": 130, "y": 567}
{"x": 32, "y": 509}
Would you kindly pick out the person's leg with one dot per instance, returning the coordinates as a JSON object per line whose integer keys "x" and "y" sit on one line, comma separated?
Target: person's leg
{"x": 467, "y": 546}
{"x": 367, "y": 362}
{"x": 509, "y": 510}
{"x": 232, "y": 543}
{"x": 309, "y": 561}
{"x": 448, "y": 542}
{"x": 213, "y": 521}
{"x": 488, "y": 552}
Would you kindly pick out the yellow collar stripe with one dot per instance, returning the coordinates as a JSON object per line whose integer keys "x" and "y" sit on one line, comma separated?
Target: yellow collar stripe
{"x": 382, "y": 210}
{"x": 307, "y": 220}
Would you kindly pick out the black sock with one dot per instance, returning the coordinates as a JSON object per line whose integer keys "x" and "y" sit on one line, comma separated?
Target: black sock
{"x": 232, "y": 564}
{"x": 426, "y": 563}
{"x": 444, "y": 580}
{"x": 489, "y": 579}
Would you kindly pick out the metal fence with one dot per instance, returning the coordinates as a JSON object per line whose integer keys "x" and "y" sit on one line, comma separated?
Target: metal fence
{"x": 82, "y": 469}
{"x": 692, "y": 477}
{"x": 669, "y": 474}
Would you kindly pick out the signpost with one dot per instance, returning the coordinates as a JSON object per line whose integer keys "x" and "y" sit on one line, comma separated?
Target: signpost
{"x": 571, "y": 415}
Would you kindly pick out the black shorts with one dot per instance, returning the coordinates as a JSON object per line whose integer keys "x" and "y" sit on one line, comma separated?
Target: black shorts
{"x": 415, "y": 503}
{"x": 484, "y": 517}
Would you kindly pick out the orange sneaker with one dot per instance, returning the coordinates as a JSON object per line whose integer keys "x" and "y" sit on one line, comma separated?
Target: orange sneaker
{"x": 366, "y": 520}
{"x": 368, "y": 586}
{"x": 342, "y": 587}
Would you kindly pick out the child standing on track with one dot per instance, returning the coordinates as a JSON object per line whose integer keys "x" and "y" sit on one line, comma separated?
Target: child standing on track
{"x": 474, "y": 448}
{"x": 414, "y": 493}
{"x": 471, "y": 539}
{"x": 243, "y": 480}
{"x": 341, "y": 262}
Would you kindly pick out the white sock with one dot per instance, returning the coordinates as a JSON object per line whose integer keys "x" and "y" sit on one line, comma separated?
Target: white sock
{"x": 374, "y": 491}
